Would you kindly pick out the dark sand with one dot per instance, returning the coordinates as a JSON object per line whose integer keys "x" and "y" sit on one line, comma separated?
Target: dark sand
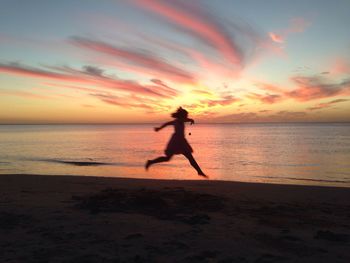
{"x": 89, "y": 219}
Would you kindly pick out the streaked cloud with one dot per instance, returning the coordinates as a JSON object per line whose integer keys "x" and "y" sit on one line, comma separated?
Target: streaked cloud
{"x": 223, "y": 101}
{"x": 85, "y": 77}
{"x": 324, "y": 105}
{"x": 202, "y": 92}
{"x": 266, "y": 98}
{"x": 307, "y": 88}
{"x": 24, "y": 94}
{"x": 205, "y": 27}
{"x": 142, "y": 59}
{"x": 18, "y": 69}
{"x": 315, "y": 87}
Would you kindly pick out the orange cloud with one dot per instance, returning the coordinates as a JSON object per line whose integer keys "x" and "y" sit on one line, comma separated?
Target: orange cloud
{"x": 224, "y": 101}
{"x": 201, "y": 92}
{"x": 25, "y": 94}
{"x": 276, "y": 37}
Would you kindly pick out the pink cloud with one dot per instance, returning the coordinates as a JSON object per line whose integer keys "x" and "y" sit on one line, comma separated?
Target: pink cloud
{"x": 307, "y": 88}
{"x": 311, "y": 88}
{"x": 143, "y": 60}
{"x": 81, "y": 76}
{"x": 201, "y": 25}
{"x": 276, "y": 37}
{"x": 205, "y": 61}
{"x": 267, "y": 98}
{"x": 165, "y": 87}
{"x": 122, "y": 103}
{"x": 17, "y": 69}
{"x": 327, "y": 104}
{"x": 126, "y": 102}
{"x": 340, "y": 66}
{"x": 269, "y": 87}
{"x": 296, "y": 25}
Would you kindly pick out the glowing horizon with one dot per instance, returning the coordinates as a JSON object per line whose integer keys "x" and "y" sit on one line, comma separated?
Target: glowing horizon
{"x": 137, "y": 61}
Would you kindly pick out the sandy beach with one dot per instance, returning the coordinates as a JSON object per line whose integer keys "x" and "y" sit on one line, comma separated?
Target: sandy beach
{"x": 91, "y": 219}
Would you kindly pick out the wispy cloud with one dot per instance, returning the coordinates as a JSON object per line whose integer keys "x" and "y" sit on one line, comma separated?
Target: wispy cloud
{"x": 68, "y": 74}
{"x": 205, "y": 27}
{"x": 315, "y": 87}
{"x": 18, "y": 69}
{"x": 324, "y": 105}
{"x": 266, "y": 98}
{"x": 202, "y": 92}
{"x": 24, "y": 94}
{"x": 340, "y": 66}
{"x": 223, "y": 101}
{"x": 307, "y": 88}
{"x": 296, "y": 25}
{"x": 142, "y": 59}
{"x": 120, "y": 101}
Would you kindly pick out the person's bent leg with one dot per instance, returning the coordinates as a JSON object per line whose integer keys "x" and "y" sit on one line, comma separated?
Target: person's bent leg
{"x": 158, "y": 160}
{"x": 194, "y": 164}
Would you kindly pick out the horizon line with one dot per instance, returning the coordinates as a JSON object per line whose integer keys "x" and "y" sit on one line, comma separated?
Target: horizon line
{"x": 147, "y": 123}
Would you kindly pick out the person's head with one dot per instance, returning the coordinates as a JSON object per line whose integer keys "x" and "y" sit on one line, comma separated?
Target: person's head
{"x": 180, "y": 114}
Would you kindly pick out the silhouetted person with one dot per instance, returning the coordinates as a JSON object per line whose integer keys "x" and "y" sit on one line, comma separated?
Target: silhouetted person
{"x": 178, "y": 143}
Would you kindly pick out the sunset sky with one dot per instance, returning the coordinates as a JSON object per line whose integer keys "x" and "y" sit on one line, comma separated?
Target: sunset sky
{"x": 110, "y": 61}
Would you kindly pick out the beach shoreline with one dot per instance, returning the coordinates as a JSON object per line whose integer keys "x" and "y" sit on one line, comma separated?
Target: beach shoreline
{"x": 101, "y": 219}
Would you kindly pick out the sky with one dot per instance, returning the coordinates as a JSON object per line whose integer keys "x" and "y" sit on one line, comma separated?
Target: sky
{"x": 137, "y": 61}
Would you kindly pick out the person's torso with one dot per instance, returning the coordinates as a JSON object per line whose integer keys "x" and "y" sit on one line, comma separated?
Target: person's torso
{"x": 179, "y": 128}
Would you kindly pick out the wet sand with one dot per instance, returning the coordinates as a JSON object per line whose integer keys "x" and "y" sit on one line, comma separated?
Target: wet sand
{"x": 90, "y": 219}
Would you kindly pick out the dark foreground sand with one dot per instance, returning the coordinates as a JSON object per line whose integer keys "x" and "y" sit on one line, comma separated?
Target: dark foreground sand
{"x": 88, "y": 219}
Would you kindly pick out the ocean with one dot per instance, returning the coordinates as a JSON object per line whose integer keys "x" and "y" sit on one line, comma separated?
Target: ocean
{"x": 307, "y": 154}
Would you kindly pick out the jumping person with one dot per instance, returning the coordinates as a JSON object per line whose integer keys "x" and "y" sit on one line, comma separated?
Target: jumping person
{"x": 178, "y": 143}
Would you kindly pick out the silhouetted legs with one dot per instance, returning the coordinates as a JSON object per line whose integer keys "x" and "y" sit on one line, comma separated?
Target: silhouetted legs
{"x": 158, "y": 160}
{"x": 166, "y": 158}
{"x": 194, "y": 164}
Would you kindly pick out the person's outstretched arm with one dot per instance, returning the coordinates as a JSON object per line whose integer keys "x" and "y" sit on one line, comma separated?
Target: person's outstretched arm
{"x": 190, "y": 120}
{"x": 164, "y": 125}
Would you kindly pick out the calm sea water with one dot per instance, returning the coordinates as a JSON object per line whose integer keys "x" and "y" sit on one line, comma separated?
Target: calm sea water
{"x": 316, "y": 154}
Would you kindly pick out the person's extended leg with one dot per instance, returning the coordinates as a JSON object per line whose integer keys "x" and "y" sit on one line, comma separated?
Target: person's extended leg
{"x": 194, "y": 164}
{"x": 157, "y": 160}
